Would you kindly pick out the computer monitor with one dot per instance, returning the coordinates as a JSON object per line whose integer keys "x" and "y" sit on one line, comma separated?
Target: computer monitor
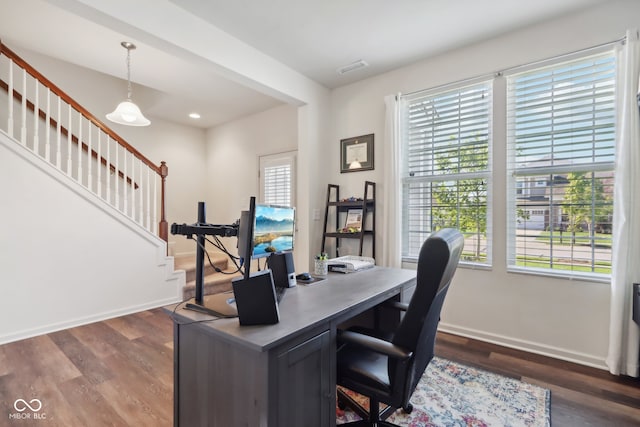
{"x": 273, "y": 230}
{"x": 255, "y": 294}
{"x": 258, "y": 288}
{"x": 265, "y": 229}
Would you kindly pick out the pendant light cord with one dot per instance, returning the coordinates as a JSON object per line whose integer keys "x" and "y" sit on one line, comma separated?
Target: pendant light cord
{"x": 128, "y": 74}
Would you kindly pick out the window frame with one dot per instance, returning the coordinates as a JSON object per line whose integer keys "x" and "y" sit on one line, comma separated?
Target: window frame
{"x": 514, "y": 185}
{"x": 486, "y": 174}
{"x": 277, "y": 160}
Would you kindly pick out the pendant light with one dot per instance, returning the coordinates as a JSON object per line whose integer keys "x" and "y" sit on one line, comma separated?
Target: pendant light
{"x": 128, "y": 113}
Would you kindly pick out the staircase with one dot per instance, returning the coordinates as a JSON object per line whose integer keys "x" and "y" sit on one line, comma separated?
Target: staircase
{"x": 75, "y": 190}
{"x": 214, "y": 282}
{"x": 54, "y": 127}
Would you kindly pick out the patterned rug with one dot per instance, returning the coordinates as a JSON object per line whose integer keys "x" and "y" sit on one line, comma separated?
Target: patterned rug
{"x": 451, "y": 395}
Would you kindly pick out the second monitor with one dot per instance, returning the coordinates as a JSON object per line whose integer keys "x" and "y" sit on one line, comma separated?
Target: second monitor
{"x": 273, "y": 230}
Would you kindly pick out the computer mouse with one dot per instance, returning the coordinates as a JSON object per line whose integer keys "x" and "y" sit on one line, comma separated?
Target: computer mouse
{"x": 303, "y": 276}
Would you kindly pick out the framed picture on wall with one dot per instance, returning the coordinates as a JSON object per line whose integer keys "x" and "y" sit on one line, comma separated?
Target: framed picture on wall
{"x": 356, "y": 154}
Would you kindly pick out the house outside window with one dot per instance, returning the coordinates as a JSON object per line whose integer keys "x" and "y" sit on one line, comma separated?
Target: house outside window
{"x": 446, "y": 176}
{"x": 561, "y": 146}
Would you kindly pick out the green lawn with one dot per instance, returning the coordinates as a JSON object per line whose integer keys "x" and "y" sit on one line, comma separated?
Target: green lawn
{"x": 581, "y": 238}
{"x": 540, "y": 262}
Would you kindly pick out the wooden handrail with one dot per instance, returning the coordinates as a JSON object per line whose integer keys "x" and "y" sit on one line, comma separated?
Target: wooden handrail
{"x": 59, "y": 92}
{"x": 161, "y": 170}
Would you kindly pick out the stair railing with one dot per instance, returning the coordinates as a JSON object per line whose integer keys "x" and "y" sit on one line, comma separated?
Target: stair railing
{"x": 85, "y": 149}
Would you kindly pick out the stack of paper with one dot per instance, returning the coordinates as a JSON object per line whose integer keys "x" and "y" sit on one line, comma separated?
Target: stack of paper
{"x": 350, "y": 263}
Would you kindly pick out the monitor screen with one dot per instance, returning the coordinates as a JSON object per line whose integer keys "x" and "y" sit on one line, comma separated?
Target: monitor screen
{"x": 273, "y": 230}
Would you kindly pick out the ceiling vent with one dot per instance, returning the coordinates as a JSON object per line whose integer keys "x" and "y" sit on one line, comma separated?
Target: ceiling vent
{"x": 352, "y": 67}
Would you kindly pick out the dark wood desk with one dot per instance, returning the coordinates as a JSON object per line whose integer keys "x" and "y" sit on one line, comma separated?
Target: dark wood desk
{"x": 279, "y": 375}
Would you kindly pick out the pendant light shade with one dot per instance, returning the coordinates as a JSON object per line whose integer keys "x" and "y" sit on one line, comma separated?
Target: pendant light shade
{"x": 127, "y": 113}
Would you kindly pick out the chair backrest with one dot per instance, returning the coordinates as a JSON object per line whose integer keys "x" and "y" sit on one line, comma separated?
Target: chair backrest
{"x": 437, "y": 263}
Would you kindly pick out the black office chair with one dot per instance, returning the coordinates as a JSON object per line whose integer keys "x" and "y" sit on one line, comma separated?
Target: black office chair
{"x": 387, "y": 369}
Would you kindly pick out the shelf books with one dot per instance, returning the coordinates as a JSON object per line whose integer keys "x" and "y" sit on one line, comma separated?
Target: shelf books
{"x": 353, "y": 223}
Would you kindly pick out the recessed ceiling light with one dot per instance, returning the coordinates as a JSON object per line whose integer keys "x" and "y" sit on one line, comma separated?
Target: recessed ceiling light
{"x": 194, "y": 115}
{"x": 352, "y": 67}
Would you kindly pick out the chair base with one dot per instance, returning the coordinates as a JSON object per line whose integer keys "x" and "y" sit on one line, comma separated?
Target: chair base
{"x": 368, "y": 419}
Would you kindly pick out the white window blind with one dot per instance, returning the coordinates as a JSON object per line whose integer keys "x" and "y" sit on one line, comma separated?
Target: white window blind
{"x": 447, "y": 168}
{"x": 276, "y": 176}
{"x": 561, "y": 146}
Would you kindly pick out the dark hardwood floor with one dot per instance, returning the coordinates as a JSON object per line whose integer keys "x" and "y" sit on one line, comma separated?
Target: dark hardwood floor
{"x": 120, "y": 373}
{"x": 113, "y": 373}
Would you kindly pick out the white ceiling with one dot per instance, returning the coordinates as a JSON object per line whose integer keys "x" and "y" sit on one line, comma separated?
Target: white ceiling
{"x": 312, "y": 37}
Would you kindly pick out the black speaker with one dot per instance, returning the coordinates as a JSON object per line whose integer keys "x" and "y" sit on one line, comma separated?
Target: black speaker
{"x": 284, "y": 272}
{"x": 256, "y": 299}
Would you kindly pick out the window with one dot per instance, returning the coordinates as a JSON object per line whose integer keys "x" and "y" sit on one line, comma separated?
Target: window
{"x": 561, "y": 146}
{"x": 447, "y": 168}
{"x": 277, "y": 174}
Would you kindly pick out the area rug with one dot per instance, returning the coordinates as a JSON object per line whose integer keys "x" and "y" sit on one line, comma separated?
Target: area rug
{"x": 450, "y": 394}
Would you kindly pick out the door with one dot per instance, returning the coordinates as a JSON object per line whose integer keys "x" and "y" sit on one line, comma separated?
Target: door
{"x": 277, "y": 179}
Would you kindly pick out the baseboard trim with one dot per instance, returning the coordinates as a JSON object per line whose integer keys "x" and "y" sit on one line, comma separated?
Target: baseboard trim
{"x": 529, "y": 346}
{"x": 30, "y": 333}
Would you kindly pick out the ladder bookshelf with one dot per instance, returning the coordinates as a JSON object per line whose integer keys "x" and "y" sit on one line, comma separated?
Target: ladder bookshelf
{"x": 340, "y": 209}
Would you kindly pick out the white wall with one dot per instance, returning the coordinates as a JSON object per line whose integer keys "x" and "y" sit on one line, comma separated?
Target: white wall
{"x": 313, "y": 142}
{"x": 232, "y": 155}
{"x": 183, "y": 148}
{"x": 564, "y": 318}
{"x": 64, "y": 267}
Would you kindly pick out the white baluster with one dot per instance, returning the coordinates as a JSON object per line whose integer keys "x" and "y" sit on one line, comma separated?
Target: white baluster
{"x": 79, "y": 148}
{"x": 108, "y": 171}
{"x": 59, "y": 135}
{"x": 116, "y": 175}
{"x": 89, "y": 162}
{"x": 99, "y": 164}
{"x": 10, "y": 100}
{"x": 47, "y": 128}
{"x": 141, "y": 191}
{"x": 148, "y": 187}
{"x": 36, "y": 120}
{"x": 124, "y": 182}
{"x": 155, "y": 203}
{"x": 69, "y": 140}
{"x": 23, "y": 121}
{"x": 130, "y": 186}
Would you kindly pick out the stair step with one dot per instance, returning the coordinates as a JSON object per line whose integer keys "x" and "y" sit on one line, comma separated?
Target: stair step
{"x": 214, "y": 282}
{"x": 188, "y": 264}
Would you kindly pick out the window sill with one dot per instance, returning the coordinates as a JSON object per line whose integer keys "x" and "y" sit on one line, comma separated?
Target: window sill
{"x": 583, "y": 277}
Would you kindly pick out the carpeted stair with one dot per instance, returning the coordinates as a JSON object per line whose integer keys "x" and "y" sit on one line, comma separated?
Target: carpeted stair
{"x": 214, "y": 282}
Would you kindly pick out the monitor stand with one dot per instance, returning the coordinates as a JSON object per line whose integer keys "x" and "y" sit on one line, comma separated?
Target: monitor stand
{"x": 219, "y": 305}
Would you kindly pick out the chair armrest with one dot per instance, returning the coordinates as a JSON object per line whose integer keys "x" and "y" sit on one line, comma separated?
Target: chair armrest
{"x": 374, "y": 344}
{"x": 397, "y": 305}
